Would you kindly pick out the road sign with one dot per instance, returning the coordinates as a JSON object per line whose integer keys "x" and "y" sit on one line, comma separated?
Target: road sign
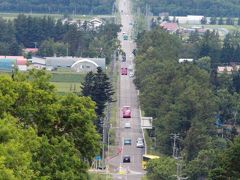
{"x": 147, "y": 122}
{"x": 98, "y": 158}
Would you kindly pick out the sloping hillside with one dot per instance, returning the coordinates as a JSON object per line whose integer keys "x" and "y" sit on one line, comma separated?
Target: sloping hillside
{"x": 58, "y": 6}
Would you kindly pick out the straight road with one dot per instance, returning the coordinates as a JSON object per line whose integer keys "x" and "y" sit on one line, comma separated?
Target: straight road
{"x": 128, "y": 97}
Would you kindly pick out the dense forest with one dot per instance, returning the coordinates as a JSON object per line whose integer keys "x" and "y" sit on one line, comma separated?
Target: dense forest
{"x": 192, "y": 100}
{"x": 58, "y": 6}
{"x": 211, "y": 8}
{"x": 56, "y": 38}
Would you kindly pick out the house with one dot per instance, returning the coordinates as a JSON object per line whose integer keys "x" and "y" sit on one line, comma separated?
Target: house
{"x": 170, "y": 27}
{"x": 227, "y": 69}
{"x": 37, "y": 63}
{"x": 30, "y": 50}
{"x": 182, "y": 60}
{"x": 96, "y": 22}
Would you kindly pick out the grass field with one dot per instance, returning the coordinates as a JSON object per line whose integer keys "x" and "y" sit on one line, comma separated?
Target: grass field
{"x": 227, "y": 27}
{"x": 11, "y": 16}
{"x": 67, "y": 82}
{"x": 67, "y": 77}
{"x": 67, "y": 87}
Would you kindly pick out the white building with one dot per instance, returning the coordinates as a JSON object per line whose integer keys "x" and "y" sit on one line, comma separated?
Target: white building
{"x": 189, "y": 19}
{"x": 182, "y": 60}
{"x": 96, "y": 22}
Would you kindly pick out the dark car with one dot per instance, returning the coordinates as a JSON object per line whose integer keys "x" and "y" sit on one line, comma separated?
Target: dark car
{"x": 126, "y": 159}
{"x": 127, "y": 141}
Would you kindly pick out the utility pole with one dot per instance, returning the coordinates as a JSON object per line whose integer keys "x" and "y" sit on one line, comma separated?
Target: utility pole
{"x": 175, "y": 153}
{"x": 175, "y": 149}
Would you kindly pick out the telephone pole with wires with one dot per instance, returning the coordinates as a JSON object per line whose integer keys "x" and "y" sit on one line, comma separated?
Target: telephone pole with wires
{"x": 175, "y": 155}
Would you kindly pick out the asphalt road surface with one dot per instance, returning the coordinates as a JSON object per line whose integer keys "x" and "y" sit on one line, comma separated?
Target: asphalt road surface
{"x": 127, "y": 97}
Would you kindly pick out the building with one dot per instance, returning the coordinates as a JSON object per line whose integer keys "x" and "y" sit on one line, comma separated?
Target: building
{"x": 169, "y": 26}
{"x": 182, "y": 60}
{"x": 90, "y": 24}
{"x": 30, "y": 50}
{"x": 75, "y": 64}
{"x": 8, "y": 63}
{"x": 96, "y": 22}
{"x": 36, "y": 63}
{"x": 227, "y": 69}
{"x": 189, "y": 19}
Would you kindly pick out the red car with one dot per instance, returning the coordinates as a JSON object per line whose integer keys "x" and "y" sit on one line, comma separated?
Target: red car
{"x": 126, "y": 112}
{"x": 124, "y": 71}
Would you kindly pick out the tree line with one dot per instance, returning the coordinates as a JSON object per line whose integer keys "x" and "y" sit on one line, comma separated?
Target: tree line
{"x": 57, "y": 38}
{"x": 59, "y": 6}
{"x": 201, "y": 7}
{"x": 190, "y": 99}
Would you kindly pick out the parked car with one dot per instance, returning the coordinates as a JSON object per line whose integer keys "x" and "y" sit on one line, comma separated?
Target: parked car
{"x": 127, "y": 125}
{"x": 126, "y": 159}
{"x": 127, "y": 141}
{"x": 140, "y": 143}
{"x": 126, "y": 112}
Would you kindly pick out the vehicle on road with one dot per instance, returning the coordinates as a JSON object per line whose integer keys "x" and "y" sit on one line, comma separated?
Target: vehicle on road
{"x": 126, "y": 112}
{"x": 125, "y": 37}
{"x": 123, "y": 57}
{"x": 127, "y": 125}
{"x": 146, "y": 158}
{"x": 140, "y": 143}
{"x": 127, "y": 141}
{"x": 131, "y": 74}
{"x": 126, "y": 159}
{"x": 124, "y": 71}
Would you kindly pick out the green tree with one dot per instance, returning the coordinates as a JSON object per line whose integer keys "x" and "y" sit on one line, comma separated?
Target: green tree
{"x": 77, "y": 116}
{"x": 204, "y": 63}
{"x": 46, "y": 49}
{"x": 57, "y": 158}
{"x": 220, "y": 21}
{"x": 210, "y": 46}
{"x": 163, "y": 168}
{"x": 238, "y": 22}
{"x": 99, "y": 88}
{"x": 204, "y": 20}
{"x": 200, "y": 166}
{"x": 229, "y": 21}
{"x": 213, "y": 20}
{"x": 228, "y": 163}
{"x": 17, "y": 147}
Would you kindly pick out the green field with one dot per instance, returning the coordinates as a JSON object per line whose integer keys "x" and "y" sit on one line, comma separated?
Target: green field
{"x": 227, "y": 27}
{"x": 67, "y": 77}
{"x": 64, "y": 87}
{"x": 11, "y": 16}
{"x": 67, "y": 82}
